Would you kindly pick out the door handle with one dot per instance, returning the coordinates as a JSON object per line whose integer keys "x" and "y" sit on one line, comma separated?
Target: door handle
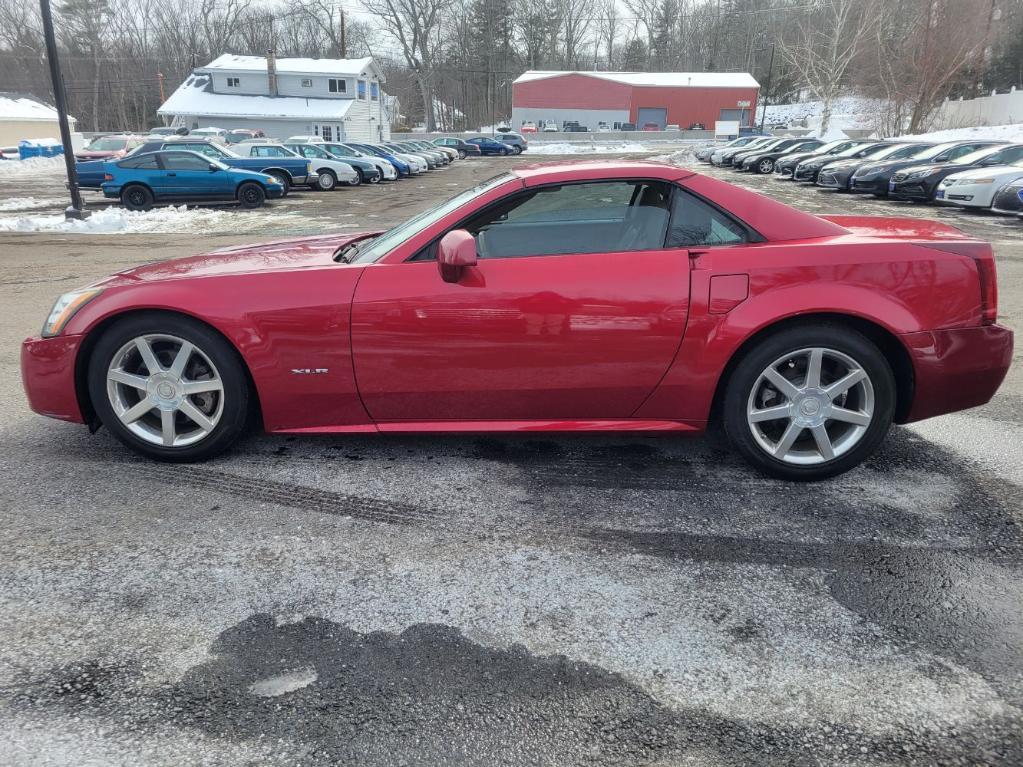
{"x": 172, "y": 174}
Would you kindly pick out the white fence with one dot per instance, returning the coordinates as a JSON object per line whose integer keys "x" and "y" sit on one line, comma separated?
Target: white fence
{"x": 996, "y": 109}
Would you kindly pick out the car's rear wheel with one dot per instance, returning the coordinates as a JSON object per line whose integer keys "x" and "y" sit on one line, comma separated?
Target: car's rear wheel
{"x": 462, "y": 154}
{"x": 283, "y": 180}
{"x": 251, "y": 195}
{"x": 136, "y": 197}
{"x": 326, "y": 181}
{"x": 765, "y": 166}
{"x": 169, "y": 387}
{"x": 809, "y": 402}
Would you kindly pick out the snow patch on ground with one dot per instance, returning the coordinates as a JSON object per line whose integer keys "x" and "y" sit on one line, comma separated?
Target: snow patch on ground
{"x": 32, "y": 166}
{"x": 587, "y": 147}
{"x": 994, "y": 132}
{"x": 159, "y": 220}
{"x": 24, "y": 203}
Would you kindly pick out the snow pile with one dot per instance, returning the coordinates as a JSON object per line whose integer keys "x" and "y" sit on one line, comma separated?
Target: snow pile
{"x": 586, "y": 147}
{"x": 847, "y": 113}
{"x": 24, "y": 203}
{"x": 159, "y": 220}
{"x": 26, "y": 109}
{"x": 994, "y": 132}
{"x": 33, "y": 166}
{"x": 686, "y": 156}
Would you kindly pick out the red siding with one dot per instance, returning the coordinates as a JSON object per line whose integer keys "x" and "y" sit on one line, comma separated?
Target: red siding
{"x": 572, "y": 92}
{"x": 691, "y": 105}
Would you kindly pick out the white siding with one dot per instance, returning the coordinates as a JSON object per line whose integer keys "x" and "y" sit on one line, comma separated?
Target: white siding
{"x": 291, "y": 85}
{"x": 250, "y": 83}
{"x": 358, "y": 123}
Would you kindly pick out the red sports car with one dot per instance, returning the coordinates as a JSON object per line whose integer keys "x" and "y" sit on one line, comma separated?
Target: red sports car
{"x": 630, "y": 297}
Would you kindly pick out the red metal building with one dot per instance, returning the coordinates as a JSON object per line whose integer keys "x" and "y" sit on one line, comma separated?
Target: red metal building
{"x": 660, "y": 98}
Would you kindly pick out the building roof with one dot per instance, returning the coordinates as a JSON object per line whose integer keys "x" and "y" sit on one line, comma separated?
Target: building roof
{"x": 196, "y": 97}
{"x": 21, "y": 106}
{"x": 230, "y": 62}
{"x": 657, "y": 79}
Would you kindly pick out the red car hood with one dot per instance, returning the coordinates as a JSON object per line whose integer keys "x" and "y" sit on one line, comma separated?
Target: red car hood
{"x": 299, "y": 253}
{"x": 86, "y": 155}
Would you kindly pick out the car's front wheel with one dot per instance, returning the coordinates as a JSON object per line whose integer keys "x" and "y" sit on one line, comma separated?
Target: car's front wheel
{"x": 462, "y": 154}
{"x": 136, "y": 197}
{"x": 766, "y": 166}
{"x": 809, "y": 402}
{"x": 169, "y": 387}
{"x": 251, "y": 195}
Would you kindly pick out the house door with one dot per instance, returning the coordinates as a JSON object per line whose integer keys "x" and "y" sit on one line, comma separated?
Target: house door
{"x": 330, "y": 132}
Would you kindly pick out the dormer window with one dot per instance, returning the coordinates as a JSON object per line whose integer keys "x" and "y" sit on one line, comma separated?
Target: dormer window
{"x": 307, "y": 82}
{"x": 335, "y": 85}
{"x": 362, "y": 90}
{"x": 374, "y": 92}
{"x": 234, "y": 82}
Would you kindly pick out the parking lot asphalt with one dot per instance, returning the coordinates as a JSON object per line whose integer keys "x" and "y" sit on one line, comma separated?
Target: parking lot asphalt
{"x": 464, "y": 600}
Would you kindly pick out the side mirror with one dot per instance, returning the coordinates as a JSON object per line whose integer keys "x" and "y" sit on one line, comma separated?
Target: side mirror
{"x": 214, "y": 167}
{"x": 456, "y": 251}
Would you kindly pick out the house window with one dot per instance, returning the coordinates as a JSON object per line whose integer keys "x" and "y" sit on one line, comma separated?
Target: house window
{"x": 234, "y": 82}
{"x": 374, "y": 91}
{"x": 328, "y": 134}
{"x": 362, "y": 89}
{"x": 307, "y": 82}
{"x": 337, "y": 86}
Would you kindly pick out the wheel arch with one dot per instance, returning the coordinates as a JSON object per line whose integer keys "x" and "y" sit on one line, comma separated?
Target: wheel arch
{"x": 94, "y": 333}
{"x": 889, "y": 344}
{"x": 284, "y": 171}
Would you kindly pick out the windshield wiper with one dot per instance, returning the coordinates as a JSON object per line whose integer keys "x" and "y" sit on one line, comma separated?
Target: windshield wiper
{"x": 346, "y": 254}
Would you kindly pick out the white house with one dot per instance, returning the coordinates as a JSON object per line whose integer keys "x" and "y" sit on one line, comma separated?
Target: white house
{"x": 26, "y": 117}
{"x": 339, "y": 99}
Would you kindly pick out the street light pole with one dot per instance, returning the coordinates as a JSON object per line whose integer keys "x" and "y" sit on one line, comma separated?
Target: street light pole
{"x": 770, "y": 71}
{"x": 77, "y": 208}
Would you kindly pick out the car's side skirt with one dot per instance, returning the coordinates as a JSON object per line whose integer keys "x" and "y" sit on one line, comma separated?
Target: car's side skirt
{"x": 479, "y": 427}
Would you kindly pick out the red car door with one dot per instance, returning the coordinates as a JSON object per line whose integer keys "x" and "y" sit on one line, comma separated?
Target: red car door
{"x": 574, "y": 311}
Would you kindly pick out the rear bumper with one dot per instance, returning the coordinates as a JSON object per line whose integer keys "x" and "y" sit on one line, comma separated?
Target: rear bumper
{"x": 48, "y": 375}
{"x": 957, "y": 369}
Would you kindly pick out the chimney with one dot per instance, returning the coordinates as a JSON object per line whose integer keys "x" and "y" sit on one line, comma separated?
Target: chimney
{"x": 271, "y": 72}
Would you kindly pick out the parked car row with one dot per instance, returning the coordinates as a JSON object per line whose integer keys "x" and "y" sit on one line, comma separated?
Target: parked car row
{"x": 975, "y": 173}
{"x": 143, "y": 171}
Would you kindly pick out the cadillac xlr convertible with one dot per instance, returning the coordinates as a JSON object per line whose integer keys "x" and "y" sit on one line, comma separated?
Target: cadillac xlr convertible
{"x": 600, "y": 296}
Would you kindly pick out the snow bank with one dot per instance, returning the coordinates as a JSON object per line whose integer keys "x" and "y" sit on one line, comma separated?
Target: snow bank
{"x": 33, "y": 166}
{"x": 159, "y": 220}
{"x": 586, "y": 147}
{"x": 847, "y": 112}
{"x": 993, "y": 132}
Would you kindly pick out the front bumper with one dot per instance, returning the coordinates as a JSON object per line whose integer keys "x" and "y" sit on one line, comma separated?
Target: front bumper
{"x": 805, "y": 174}
{"x": 834, "y": 179}
{"x": 48, "y": 375}
{"x": 1008, "y": 200}
{"x": 877, "y": 185}
{"x": 957, "y": 369}
{"x": 909, "y": 190}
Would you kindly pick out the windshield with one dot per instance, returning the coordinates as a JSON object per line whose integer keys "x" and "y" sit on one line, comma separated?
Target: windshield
{"x": 315, "y": 151}
{"x": 895, "y": 151}
{"x": 108, "y": 144}
{"x": 392, "y": 238}
{"x": 350, "y": 149}
{"x": 979, "y": 154}
{"x": 934, "y": 151}
{"x": 829, "y": 146}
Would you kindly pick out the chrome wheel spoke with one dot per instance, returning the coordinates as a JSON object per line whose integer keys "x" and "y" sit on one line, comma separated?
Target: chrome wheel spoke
{"x": 770, "y": 414}
{"x": 781, "y": 383}
{"x": 850, "y": 416}
{"x": 177, "y": 367}
{"x": 128, "y": 379}
{"x": 845, "y": 383}
{"x": 791, "y": 434}
{"x": 197, "y": 416}
{"x": 200, "y": 387}
{"x": 136, "y": 411}
{"x": 813, "y": 369}
{"x": 820, "y": 435}
{"x": 167, "y": 428}
{"x": 148, "y": 357}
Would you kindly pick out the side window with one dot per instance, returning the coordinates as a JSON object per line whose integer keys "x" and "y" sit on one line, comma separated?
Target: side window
{"x": 184, "y": 161}
{"x": 145, "y": 162}
{"x": 598, "y": 217}
{"x": 694, "y": 222}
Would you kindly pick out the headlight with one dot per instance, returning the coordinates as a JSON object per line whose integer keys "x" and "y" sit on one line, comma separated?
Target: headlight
{"x": 975, "y": 181}
{"x": 65, "y": 308}
{"x": 922, "y": 173}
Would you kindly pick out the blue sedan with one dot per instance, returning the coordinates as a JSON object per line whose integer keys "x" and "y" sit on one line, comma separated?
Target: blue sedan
{"x": 142, "y": 180}
{"x": 490, "y": 146}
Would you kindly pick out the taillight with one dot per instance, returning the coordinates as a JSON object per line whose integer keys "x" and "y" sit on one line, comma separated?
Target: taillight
{"x": 988, "y": 290}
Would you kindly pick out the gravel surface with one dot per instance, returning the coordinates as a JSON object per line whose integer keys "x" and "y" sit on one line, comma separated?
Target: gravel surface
{"x": 462, "y": 600}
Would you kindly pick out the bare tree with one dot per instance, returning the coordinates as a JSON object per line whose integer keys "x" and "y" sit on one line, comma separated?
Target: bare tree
{"x": 415, "y": 24}
{"x": 576, "y": 20}
{"x": 824, "y": 43}
{"x": 608, "y": 23}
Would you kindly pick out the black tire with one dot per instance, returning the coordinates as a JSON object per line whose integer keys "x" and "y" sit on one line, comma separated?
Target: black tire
{"x": 326, "y": 181}
{"x": 505, "y": 153}
{"x": 462, "y": 154}
{"x": 765, "y": 166}
{"x": 234, "y": 414}
{"x": 746, "y": 374}
{"x": 251, "y": 195}
{"x": 284, "y": 180}
{"x": 357, "y": 181}
{"x": 136, "y": 197}
{"x": 377, "y": 178}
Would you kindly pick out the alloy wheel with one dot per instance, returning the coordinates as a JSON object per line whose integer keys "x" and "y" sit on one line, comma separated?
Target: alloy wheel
{"x": 165, "y": 390}
{"x": 810, "y": 406}
{"x": 766, "y": 166}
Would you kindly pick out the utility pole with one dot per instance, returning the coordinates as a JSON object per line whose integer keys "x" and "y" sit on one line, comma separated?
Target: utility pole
{"x": 159, "y": 77}
{"x": 77, "y": 208}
